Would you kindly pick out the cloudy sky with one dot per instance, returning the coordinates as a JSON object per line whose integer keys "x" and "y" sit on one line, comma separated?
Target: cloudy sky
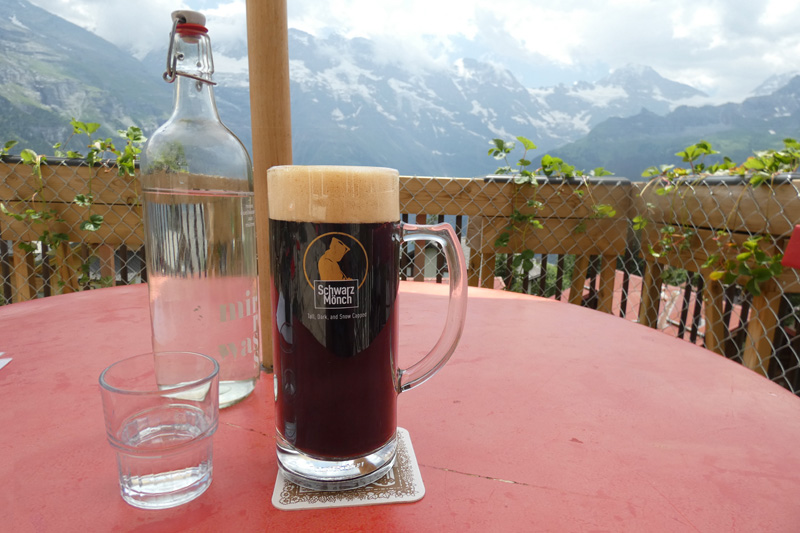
{"x": 723, "y": 47}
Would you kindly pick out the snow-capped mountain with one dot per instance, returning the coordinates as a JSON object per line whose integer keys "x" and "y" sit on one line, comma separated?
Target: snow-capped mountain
{"x": 437, "y": 119}
{"x": 774, "y": 83}
{"x": 352, "y": 103}
{"x": 627, "y": 146}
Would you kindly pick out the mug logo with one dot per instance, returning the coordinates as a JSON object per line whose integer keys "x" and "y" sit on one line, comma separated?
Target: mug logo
{"x": 342, "y": 263}
{"x": 329, "y": 269}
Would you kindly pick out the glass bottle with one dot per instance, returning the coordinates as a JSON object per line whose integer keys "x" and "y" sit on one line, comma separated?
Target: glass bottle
{"x": 199, "y": 219}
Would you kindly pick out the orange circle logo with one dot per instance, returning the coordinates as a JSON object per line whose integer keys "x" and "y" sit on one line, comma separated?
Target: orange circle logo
{"x": 336, "y": 245}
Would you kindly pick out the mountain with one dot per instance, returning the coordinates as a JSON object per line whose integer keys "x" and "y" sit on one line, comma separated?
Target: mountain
{"x": 352, "y": 103}
{"x": 774, "y": 83}
{"x": 627, "y": 146}
{"x": 571, "y": 112}
{"x": 47, "y": 77}
{"x": 349, "y": 105}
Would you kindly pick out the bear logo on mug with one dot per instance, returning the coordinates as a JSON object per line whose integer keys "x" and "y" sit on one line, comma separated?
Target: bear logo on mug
{"x": 338, "y": 267}
{"x": 329, "y": 269}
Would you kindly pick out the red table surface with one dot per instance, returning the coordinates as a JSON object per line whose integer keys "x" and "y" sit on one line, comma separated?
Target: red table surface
{"x": 549, "y": 417}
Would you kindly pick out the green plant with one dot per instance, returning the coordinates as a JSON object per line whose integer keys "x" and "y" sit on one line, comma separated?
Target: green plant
{"x": 100, "y": 153}
{"x": 524, "y": 217}
{"x": 733, "y": 260}
{"x": 42, "y": 214}
{"x": 746, "y": 259}
{"x": 6, "y": 147}
{"x": 674, "y": 276}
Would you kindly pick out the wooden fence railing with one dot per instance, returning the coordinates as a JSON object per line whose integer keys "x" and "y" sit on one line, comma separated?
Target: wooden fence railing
{"x": 496, "y": 219}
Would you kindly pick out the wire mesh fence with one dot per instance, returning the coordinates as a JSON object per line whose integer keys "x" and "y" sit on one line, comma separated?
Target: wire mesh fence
{"x": 674, "y": 258}
{"x": 700, "y": 260}
{"x": 67, "y": 227}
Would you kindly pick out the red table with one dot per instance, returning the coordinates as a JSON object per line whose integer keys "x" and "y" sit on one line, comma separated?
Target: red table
{"x": 549, "y": 417}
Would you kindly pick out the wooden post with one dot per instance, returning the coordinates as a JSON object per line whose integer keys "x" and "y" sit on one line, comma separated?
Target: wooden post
{"x": 651, "y": 293}
{"x": 22, "y": 279}
{"x": 67, "y": 263}
{"x": 105, "y": 254}
{"x": 270, "y": 115}
{"x": 607, "y": 277}
{"x": 713, "y": 297}
{"x": 758, "y": 347}
{"x": 578, "y": 279}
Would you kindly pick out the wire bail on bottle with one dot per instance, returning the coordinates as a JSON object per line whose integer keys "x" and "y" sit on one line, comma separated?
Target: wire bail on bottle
{"x": 182, "y": 18}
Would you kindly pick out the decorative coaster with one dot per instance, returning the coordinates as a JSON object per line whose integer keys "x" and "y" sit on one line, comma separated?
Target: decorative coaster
{"x": 403, "y": 483}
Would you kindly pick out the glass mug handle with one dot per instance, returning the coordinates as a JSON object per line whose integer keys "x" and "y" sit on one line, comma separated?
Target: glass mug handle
{"x": 426, "y": 367}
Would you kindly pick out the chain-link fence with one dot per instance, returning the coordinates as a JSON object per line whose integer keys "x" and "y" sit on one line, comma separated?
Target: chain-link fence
{"x": 698, "y": 259}
{"x": 67, "y": 227}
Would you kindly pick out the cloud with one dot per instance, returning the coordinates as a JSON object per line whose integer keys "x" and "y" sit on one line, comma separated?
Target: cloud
{"x": 140, "y": 27}
{"x": 723, "y": 47}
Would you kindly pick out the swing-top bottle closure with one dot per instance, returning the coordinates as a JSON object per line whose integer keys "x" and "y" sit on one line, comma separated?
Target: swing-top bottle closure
{"x": 189, "y": 27}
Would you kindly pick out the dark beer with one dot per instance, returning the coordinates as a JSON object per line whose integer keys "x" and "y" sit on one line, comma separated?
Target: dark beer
{"x": 335, "y": 285}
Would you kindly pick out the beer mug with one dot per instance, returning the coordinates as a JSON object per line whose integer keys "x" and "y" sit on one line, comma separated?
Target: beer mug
{"x": 335, "y": 242}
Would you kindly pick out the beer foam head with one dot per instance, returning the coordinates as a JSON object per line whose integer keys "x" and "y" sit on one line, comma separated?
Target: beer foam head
{"x": 336, "y": 194}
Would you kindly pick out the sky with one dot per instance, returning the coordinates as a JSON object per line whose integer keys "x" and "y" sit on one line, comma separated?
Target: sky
{"x": 725, "y": 48}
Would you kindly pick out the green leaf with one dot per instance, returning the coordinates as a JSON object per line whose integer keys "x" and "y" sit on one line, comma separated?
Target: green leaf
{"x": 61, "y": 236}
{"x": 761, "y": 274}
{"x": 15, "y": 216}
{"x": 528, "y": 254}
{"x": 28, "y": 156}
{"x": 744, "y": 269}
{"x": 744, "y": 256}
{"x": 527, "y": 265}
{"x": 649, "y": 172}
{"x": 502, "y": 240}
{"x": 754, "y": 164}
{"x": 83, "y": 200}
{"x": 751, "y": 244}
{"x": 600, "y": 171}
{"x": 527, "y": 143}
{"x": 93, "y": 224}
{"x": 639, "y": 222}
{"x": 753, "y": 288}
{"x": 604, "y": 211}
{"x": 134, "y": 135}
{"x": 716, "y": 275}
{"x": 758, "y": 178}
{"x": 77, "y": 126}
{"x": 705, "y": 148}
{"x": 653, "y": 251}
